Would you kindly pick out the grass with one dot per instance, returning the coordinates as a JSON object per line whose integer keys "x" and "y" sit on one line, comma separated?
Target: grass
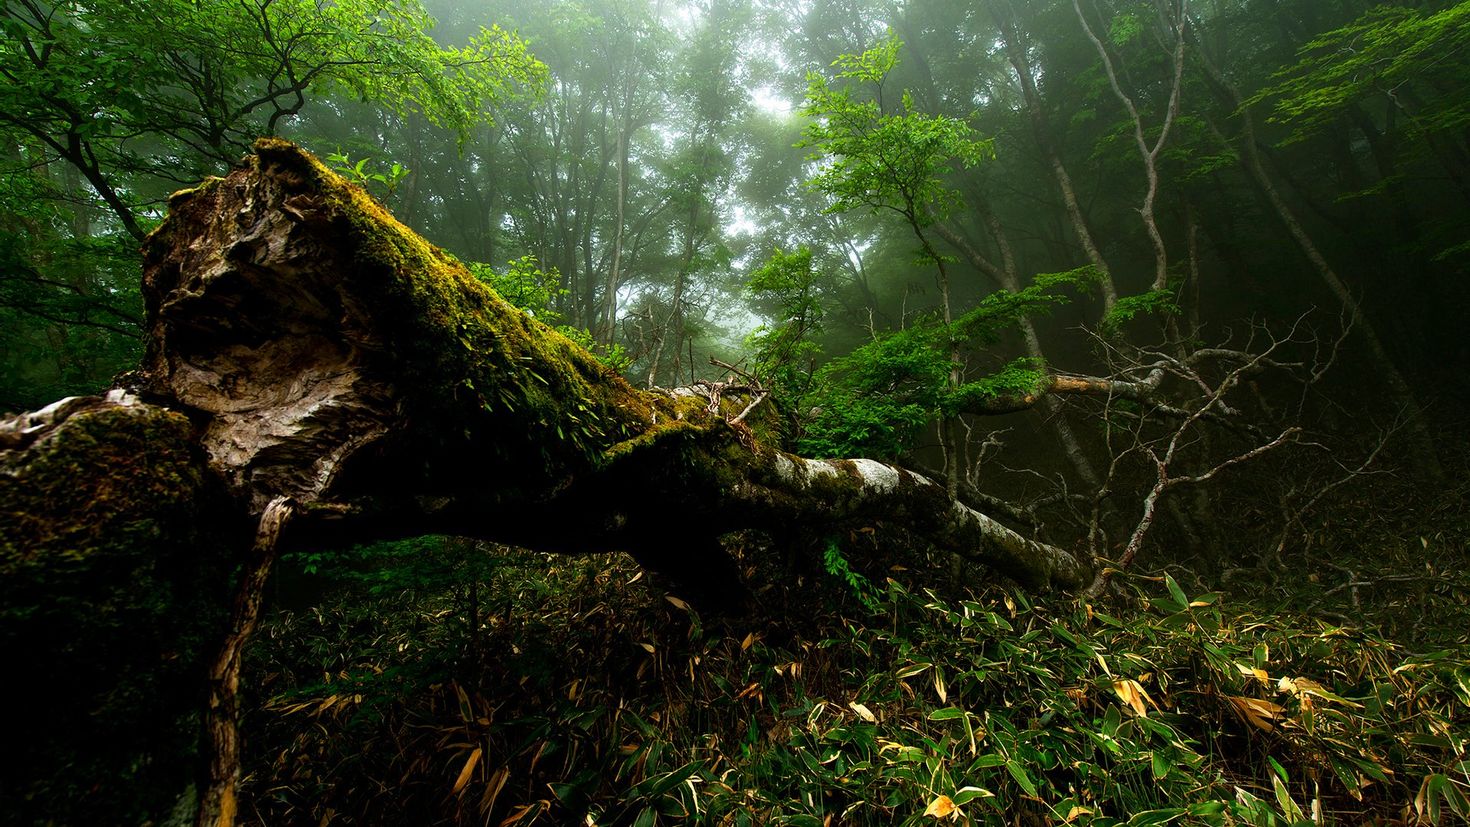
{"x": 586, "y": 695}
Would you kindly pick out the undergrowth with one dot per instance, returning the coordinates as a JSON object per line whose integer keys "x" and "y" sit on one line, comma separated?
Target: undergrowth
{"x": 588, "y": 696}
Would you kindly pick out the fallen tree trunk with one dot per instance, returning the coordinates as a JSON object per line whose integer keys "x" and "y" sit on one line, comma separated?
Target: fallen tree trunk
{"x": 303, "y": 347}
{"x": 331, "y": 356}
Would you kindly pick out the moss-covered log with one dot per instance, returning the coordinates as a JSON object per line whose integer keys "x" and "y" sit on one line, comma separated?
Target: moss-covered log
{"x": 304, "y": 347}
{"x": 332, "y": 356}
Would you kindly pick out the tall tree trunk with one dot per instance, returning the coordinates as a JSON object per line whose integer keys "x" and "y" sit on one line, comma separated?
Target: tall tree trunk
{"x": 1149, "y": 155}
{"x": 607, "y": 327}
{"x": 1015, "y": 50}
{"x": 1420, "y": 441}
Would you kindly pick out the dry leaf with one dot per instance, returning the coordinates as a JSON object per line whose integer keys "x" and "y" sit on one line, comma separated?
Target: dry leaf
{"x": 1131, "y": 693}
{"x": 677, "y": 602}
{"x": 1252, "y": 671}
{"x": 647, "y": 647}
{"x": 864, "y": 712}
{"x": 939, "y": 687}
{"x": 521, "y": 812}
{"x": 1256, "y": 711}
{"x": 1077, "y": 811}
{"x": 749, "y": 639}
{"x": 941, "y": 807}
{"x": 469, "y": 769}
{"x": 492, "y": 789}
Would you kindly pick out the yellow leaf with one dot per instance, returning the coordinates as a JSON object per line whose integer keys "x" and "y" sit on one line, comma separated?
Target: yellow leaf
{"x": 941, "y": 807}
{"x": 1077, "y": 811}
{"x": 939, "y": 687}
{"x": 1254, "y": 672}
{"x": 677, "y": 602}
{"x": 1131, "y": 693}
{"x": 749, "y": 639}
{"x": 864, "y": 712}
{"x": 1257, "y": 712}
{"x": 521, "y": 812}
{"x": 469, "y": 769}
{"x": 647, "y": 647}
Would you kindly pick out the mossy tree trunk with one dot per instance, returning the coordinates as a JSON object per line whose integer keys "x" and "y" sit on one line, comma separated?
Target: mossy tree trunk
{"x": 305, "y": 347}
{"x": 330, "y": 355}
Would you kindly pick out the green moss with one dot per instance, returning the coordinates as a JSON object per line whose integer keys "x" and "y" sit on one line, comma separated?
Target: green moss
{"x": 178, "y": 198}
{"x": 464, "y": 357}
{"x": 1018, "y": 383}
{"x": 101, "y": 470}
{"x": 110, "y": 595}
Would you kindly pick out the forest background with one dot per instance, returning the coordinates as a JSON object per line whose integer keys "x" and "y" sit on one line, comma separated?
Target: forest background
{"x": 972, "y": 238}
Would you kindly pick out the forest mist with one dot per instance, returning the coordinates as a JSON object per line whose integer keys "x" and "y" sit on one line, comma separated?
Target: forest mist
{"x": 1174, "y": 288}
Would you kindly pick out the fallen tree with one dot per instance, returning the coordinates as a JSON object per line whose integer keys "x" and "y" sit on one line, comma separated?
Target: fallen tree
{"x": 316, "y": 373}
{"x": 329, "y": 355}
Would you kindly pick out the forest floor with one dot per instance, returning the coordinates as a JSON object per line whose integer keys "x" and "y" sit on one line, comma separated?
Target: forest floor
{"x": 1333, "y": 689}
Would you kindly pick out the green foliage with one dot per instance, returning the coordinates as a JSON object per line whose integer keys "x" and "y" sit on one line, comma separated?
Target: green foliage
{"x": 70, "y": 309}
{"x": 876, "y": 400}
{"x": 367, "y": 177}
{"x": 988, "y": 708}
{"x": 1390, "y": 51}
{"x": 211, "y": 73}
{"x": 784, "y": 355}
{"x": 1001, "y": 309}
{"x": 878, "y": 159}
{"x": 526, "y": 285}
{"x": 859, "y": 586}
{"x": 538, "y": 292}
{"x": 422, "y": 565}
{"x": 1127, "y": 308}
{"x": 1020, "y": 378}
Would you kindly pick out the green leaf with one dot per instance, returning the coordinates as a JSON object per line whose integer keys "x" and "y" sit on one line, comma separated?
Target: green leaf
{"x": 1018, "y": 772}
{"x": 949, "y": 713}
{"x": 1176, "y": 592}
